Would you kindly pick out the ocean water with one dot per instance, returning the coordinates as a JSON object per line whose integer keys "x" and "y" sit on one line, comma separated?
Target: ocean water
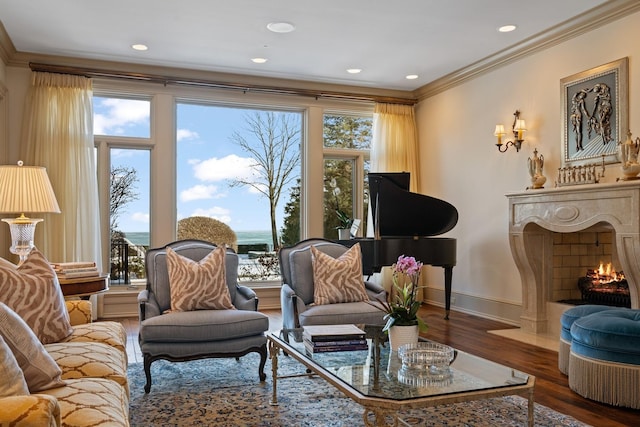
{"x": 244, "y": 237}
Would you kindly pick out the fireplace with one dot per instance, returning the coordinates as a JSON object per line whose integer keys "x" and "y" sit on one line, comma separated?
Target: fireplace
{"x": 537, "y": 218}
{"x": 604, "y": 286}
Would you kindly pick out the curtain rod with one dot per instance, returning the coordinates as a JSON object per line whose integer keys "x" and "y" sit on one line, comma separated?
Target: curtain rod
{"x": 167, "y": 80}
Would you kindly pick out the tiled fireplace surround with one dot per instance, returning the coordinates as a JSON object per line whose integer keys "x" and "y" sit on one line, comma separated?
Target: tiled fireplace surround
{"x": 556, "y": 234}
{"x": 574, "y": 254}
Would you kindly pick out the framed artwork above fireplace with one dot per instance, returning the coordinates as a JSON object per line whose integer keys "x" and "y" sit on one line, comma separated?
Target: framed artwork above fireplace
{"x": 595, "y": 113}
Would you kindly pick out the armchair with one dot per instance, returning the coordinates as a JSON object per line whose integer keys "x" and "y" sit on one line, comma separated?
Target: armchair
{"x": 180, "y": 336}
{"x": 297, "y": 292}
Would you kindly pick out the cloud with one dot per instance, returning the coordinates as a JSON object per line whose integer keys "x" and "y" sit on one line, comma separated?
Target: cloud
{"x": 140, "y": 217}
{"x": 200, "y": 192}
{"x": 122, "y": 153}
{"x": 215, "y": 212}
{"x": 186, "y": 134}
{"x": 225, "y": 168}
{"x": 115, "y": 115}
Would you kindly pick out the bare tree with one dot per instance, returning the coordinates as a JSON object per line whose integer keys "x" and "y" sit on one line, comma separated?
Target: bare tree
{"x": 272, "y": 140}
{"x": 121, "y": 193}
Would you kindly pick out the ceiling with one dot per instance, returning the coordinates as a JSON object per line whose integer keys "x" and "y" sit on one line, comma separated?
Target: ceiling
{"x": 387, "y": 40}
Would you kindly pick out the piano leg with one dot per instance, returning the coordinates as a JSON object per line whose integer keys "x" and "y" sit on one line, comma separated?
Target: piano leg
{"x": 448, "y": 275}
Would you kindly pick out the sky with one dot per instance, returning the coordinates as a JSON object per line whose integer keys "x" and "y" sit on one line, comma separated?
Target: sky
{"x": 207, "y": 160}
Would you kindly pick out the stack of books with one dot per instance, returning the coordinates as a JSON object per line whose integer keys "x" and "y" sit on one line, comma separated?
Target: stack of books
{"x": 74, "y": 270}
{"x": 325, "y": 338}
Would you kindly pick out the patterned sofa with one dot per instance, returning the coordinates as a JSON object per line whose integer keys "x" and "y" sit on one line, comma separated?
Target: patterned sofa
{"x": 93, "y": 361}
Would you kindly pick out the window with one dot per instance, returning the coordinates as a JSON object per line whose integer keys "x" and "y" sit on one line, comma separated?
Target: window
{"x": 129, "y": 214}
{"x": 121, "y": 133}
{"x": 121, "y": 117}
{"x": 183, "y": 144}
{"x": 241, "y": 167}
{"x": 347, "y": 140}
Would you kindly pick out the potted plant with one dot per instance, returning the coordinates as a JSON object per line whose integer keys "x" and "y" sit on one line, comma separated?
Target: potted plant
{"x": 344, "y": 229}
{"x": 403, "y": 323}
{"x": 344, "y": 221}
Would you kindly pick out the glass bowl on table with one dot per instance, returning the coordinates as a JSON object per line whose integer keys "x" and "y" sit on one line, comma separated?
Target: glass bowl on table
{"x": 425, "y": 363}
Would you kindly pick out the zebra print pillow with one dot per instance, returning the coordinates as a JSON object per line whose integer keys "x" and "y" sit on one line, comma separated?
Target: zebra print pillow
{"x": 33, "y": 292}
{"x": 198, "y": 285}
{"x": 40, "y": 371}
{"x": 338, "y": 280}
{"x": 13, "y": 382}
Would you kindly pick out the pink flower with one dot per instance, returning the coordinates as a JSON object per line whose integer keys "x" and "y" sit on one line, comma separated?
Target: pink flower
{"x": 402, "y": 307}
{"x": 407, "y": 265}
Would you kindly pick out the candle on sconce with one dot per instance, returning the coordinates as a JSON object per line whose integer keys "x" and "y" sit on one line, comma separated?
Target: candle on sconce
{"x": 520, "y": 128}
{"x": 499, "y": 132}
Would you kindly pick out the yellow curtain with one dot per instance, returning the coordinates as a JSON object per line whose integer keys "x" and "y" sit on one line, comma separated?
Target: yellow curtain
{"x": 58, "y": 134}
{"x": 394, "y": 148}
{"x": 395, "y": 141}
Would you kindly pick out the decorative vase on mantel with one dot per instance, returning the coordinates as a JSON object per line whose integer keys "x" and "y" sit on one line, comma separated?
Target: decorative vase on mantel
{"x": 401, "y": 335}
{"x": 628, "y": 152}
{"x": 535, "y": 166}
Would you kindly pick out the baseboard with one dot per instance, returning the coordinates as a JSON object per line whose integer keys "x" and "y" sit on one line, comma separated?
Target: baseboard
{"x": 268, "y": 297}
{"x": 501, "y": 311}
{"x": 119, "y": 303}
{"x": 124, "y": 303}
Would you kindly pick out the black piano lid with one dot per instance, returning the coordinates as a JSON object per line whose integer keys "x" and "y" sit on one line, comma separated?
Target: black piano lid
{"x": 397, "y": 212}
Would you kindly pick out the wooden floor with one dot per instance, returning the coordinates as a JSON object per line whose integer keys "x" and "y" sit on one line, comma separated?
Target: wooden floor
{"x": 469, "y": 333}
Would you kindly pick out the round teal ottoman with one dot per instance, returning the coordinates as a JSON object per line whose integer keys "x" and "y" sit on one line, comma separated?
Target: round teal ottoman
{"x": 566, "y": 321}
{"x": 604, "y": 361}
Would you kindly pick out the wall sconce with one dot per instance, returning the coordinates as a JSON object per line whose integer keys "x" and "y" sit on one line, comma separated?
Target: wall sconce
{"x": 518, "y": 129}
{"x": 25, "y": 189}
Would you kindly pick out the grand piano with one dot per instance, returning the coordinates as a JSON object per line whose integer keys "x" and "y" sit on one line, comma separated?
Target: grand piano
{"x": 404, "y": 224}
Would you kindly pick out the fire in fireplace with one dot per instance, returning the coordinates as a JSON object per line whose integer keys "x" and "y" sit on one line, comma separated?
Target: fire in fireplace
{"x": 603, "y": 285}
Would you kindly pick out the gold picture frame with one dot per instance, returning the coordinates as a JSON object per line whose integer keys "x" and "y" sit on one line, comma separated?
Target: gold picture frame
{"x": 595, "y": 113}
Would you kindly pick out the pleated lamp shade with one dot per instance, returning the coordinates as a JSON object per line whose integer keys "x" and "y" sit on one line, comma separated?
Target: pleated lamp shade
{"x": 26, "y": 189}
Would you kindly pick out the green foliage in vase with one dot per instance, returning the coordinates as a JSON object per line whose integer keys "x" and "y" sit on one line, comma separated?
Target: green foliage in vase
{"x": 403, "y": 308}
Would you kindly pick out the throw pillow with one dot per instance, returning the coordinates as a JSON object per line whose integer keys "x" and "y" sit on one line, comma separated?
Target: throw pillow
{"x": 13, "y": 383}
{"x": 340, "y": 279}
{"x": 40, "y": 370}
{"x": 33, "y": 292}
{"x": 198, "y": 285}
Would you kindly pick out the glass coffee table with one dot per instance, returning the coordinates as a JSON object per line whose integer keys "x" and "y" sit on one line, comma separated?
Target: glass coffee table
{"x": 376, "y": 379}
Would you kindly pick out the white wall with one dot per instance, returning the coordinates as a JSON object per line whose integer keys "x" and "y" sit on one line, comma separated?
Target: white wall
{"x": 462, "y": 165}
{"x": 16, "y": 84}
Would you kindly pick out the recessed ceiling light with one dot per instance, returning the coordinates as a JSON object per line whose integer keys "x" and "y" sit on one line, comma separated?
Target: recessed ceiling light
{"x": 411, "y": 77}
{"x": 507, "y": 28}
{"x": 354, "y": 70}
{"x": 139, "y": 47}
{"x": 259, "y": 60}
{"x": 281, "y": 27}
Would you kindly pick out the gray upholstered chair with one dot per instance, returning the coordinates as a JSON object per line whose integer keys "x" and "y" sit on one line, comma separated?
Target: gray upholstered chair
{"x": 190, "y": 335}
{"x": 296, "y": 295}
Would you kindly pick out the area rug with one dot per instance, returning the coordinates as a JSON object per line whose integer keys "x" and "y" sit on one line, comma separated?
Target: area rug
{"x": 226, "y": 392}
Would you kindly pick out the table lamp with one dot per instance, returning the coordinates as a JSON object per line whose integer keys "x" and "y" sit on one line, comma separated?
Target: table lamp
{"x": 25, "y": 189}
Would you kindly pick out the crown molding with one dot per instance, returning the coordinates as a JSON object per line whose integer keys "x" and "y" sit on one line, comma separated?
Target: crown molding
{"x": 102, "y": 69}
{"x": 7, "y": 49}
{"x": 583, "y": 23}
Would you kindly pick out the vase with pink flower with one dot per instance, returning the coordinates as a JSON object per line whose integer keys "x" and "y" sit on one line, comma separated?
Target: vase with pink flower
{"x": 402, "y": 321}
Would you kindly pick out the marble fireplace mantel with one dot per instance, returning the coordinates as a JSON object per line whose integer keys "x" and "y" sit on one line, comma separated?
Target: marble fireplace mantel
{"x": 535, "y": 214}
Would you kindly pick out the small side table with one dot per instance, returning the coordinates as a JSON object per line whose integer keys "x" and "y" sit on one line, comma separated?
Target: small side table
{"x": 84, "y": 287}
